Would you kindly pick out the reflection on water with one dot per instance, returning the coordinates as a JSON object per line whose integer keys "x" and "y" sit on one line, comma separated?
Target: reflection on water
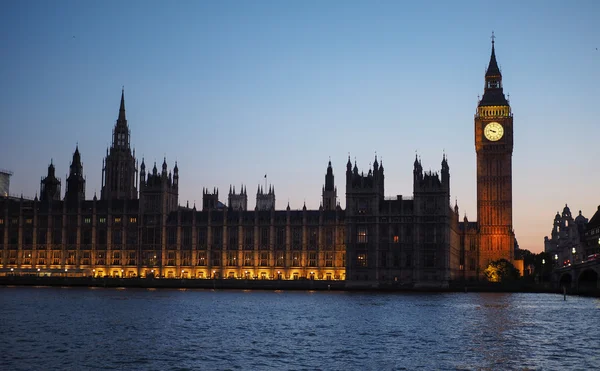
{"x": 53, "y": 328}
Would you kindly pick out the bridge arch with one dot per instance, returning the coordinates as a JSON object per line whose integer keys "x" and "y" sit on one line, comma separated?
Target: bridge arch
{"x": 566, "y": 280}
{"x": 587, "y": 280}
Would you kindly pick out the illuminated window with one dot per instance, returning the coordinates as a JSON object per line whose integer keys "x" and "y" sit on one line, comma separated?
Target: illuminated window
{"x": 116, "y": 258}
{"x": 248, "y": 258}
{"x": 279, "y": 260}
{"x": 56, "y": 257}
{"x": 131, "y": 258}
{"x": 41, "y": 257}
{"x": 102, "y": 220}
{"x": 71, "y": 258}
{"x": 361, "y": 236}
{"x": 117, "y": 220}
{"x": 100, "y": 258}
{"x": 29, "y": 221}
{"x": 329, "y": 259}
{"x": 87, "y": 220}
{"x": 186, "y": 257}
{"x": 396, "y": 239}
{"x": 264, "y": 259}
{"x": 27, "y": 257}
{"x": 201, "y": 259}
{"x": 296, "y": 259}
{"x": 86, "y": 258}
{"x": 133, "y": 220}
{"x": 231, "y": 258}
{"x": 361, "y": 260}
{"x": 312, "y": 259}
{"x": 12, "y": 257}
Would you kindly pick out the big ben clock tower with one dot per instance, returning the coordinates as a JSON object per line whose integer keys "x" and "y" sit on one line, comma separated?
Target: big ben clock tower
{"x": 494, "y": 147}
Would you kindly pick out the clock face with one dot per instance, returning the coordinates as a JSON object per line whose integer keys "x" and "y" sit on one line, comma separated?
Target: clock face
{"x": 493, "y": 131}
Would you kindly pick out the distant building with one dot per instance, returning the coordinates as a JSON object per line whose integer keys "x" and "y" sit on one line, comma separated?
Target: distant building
{"x": 592, "y": 234}
{"x": 5, "y": 182}
{"x": 566, "y": 244}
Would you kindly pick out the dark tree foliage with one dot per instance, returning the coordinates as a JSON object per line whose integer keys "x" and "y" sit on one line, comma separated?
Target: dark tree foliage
{"x": 501, "y": 271}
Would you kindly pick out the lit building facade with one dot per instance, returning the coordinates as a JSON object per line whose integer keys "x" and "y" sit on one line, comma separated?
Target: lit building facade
{"x": 138, "y": 229}
{"x": 566, "y": 244}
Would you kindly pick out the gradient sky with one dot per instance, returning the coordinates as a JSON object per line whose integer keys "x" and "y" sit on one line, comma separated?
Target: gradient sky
{"x": 236, "y": 89}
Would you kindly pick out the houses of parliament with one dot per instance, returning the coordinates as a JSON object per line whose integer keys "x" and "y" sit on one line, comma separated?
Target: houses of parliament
{"x": 136, "y": 228}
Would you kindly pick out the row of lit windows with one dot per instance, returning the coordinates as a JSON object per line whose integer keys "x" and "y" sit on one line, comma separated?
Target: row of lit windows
{"x": 151, "y": 258}
{"x": 86, "y": 220}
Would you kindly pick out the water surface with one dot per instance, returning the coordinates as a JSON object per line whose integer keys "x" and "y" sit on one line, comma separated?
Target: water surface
{"x": 96, "y": 328}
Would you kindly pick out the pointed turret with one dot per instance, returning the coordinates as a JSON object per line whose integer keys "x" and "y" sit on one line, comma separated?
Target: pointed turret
{"x": 329, "y": 190}
{"x": 164, "y": 167}
{"x": 375, "y": 165}
{"x": 120, "y": 171}
{"x": 348, "y": 166}
{"x": 493, "y": 70}
{"x": 493, "y": 94}
{"x": 50, "y": 185}
{"x": 142, "y": 174}
{"x": 75, "y": 181}
{"x": 445, "y": 172}
{"x": 122, "y": 118}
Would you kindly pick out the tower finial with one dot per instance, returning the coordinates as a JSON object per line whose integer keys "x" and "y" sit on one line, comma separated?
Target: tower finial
{"x": 493, "y": 39}
{"x": 122, "y": 106}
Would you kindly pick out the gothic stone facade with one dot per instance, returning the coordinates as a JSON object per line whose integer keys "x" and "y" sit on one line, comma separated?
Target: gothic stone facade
{"x": 137, "y": 227}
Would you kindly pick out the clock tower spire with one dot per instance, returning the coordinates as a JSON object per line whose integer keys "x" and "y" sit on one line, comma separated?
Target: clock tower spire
{"x": 494, "y": 147}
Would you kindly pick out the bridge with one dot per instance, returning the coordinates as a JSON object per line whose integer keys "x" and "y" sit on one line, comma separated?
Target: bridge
{"x": 583, "y": 277}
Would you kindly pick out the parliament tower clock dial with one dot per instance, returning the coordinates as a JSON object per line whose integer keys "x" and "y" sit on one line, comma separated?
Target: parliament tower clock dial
{"x": 494, "y": 147}
{"x": 493, "y": 131}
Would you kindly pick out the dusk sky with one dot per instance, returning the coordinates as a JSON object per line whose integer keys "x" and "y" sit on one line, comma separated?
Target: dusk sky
{"x": 234, "y": 90}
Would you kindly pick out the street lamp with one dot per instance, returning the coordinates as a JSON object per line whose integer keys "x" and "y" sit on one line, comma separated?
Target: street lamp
{"x": 542, "y": 275}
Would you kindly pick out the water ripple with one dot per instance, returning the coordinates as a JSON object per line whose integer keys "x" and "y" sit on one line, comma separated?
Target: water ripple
{"x": 88, "y": 329}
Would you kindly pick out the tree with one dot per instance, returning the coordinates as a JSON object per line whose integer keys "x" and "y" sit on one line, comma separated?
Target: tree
{"x": 501, "y": 271}
{"x": 527, "y": 256}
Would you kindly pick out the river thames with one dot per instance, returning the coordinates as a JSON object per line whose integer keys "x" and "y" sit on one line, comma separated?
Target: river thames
{"x": 81, "y": 329}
